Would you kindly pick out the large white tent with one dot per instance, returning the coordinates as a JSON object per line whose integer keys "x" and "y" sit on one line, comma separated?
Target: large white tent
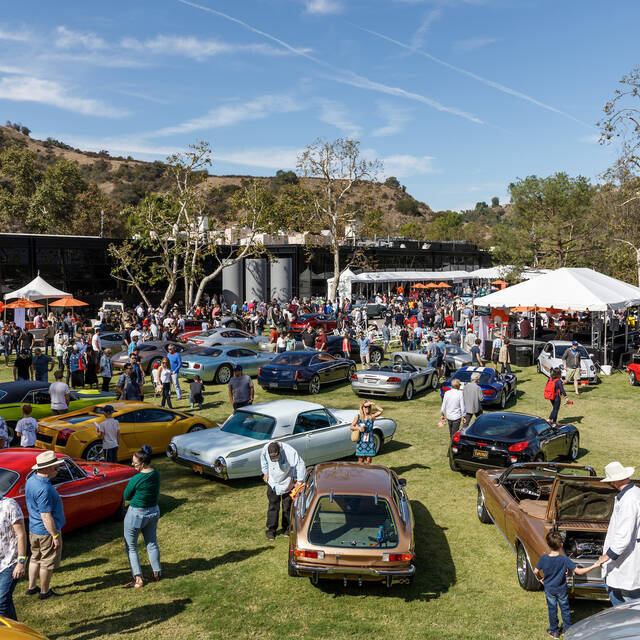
{"x": 37, "y": 289}
{"x": 575, "y": 289}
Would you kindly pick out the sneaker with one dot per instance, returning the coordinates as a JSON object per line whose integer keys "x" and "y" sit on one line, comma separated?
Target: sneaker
{"x": 285, "y": 533}
{"x": 48, "y": 594}
{"x": 553, "y": 634}
{"x": 32, "y": 592}
{"x": 271, "y": 535}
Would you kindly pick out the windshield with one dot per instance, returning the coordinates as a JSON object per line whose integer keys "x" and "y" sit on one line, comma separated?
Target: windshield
{"x": 293, "y": 358}
{"x": 251, "y": 425}
{"x": 486, "y": 377}
{"x": 7, "y": 479}
{"x": 561, "y": 348}
{"x": 359, "y": 522}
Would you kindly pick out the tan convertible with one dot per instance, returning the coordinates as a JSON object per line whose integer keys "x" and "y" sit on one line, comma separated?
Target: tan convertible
{"x": 528, "y": 500}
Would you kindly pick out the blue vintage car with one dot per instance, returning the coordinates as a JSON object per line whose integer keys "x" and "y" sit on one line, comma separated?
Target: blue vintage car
{"x": 215, "y": 364}
{"x": 497, "y": 388}
{"x": 305, "y": 371}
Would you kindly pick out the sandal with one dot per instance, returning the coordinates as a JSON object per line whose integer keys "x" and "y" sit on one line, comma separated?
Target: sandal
{"x": 135, "y": 584}
{"x": 155, "y": 577}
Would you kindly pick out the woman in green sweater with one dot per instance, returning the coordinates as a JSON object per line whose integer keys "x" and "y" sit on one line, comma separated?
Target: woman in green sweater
{"x": 143, "y": 513}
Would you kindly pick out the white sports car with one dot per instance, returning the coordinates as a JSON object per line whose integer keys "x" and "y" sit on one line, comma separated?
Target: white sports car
{"x": 551, "y": 356}
{"x": 233, "y": 450}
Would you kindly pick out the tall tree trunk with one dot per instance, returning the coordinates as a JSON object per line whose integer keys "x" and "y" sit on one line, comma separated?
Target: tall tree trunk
{"x": 204, "y": 282}
{"x": 336, "y": 272}
{"x": 168, "y": 295}
{"x": 638, "y": 262}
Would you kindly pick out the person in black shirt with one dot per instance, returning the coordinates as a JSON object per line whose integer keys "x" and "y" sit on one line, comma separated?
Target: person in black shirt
{"x": 23, "y": 366}
{"x": 196, "y": 389}
{"x": 309, "y": 338}
{"x": 388, "y": 318}
{"x": 26, "y": 341}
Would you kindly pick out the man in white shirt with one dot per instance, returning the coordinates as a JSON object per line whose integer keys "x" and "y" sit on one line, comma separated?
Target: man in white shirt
{"x": 282, "y": 469}
{"x": 13, "y": 554}
{"x": 453, "y": 409}
{"x": 96, "y": 343}
{"x": 109, "y": 431}
{"x": 59, "y": 394}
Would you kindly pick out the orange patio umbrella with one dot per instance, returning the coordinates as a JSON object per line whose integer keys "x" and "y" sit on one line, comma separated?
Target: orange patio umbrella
{"x": 23, "y": 303}
{"x": 68, "y": 302}
{"x": 431, "y": 285}
{"x": 419, "y": 286}
{"x": 443, "y": 285}
{"x": 499, "y": 282}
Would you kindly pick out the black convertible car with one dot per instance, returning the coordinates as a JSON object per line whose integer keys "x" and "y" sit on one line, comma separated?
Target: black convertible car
{"x": 501, "y": 439}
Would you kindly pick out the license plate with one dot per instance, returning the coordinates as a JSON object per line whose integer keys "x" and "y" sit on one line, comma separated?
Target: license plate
{"x": 371, "y": 380}
{"x": 479, "y": 453}
{"x": 273, "y": 385}
{"x": 198, "y": 468}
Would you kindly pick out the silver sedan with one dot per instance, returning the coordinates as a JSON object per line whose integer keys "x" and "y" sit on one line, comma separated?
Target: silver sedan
{"x": 224, "y": 336}
{"x": 394, "y": 380}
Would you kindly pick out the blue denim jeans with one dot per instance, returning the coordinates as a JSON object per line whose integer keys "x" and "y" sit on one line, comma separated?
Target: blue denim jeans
{"x": 555, "y": 600}
{"x": 7, "y": 585}
{"x": 176, "y": 385}
{"x": 620, "y": 596}
{"x": 146, "y": 521}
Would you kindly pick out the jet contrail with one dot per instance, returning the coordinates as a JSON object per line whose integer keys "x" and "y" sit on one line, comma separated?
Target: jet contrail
{"x": 486, "y": 81}
{"x": 349, "y": 77}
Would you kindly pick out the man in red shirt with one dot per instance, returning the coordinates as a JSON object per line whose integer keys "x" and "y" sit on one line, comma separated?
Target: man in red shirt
{"x": 321, "y": 340}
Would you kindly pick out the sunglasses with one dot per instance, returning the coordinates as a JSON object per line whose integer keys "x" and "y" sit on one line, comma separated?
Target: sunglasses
{"x": 366, "y": 406}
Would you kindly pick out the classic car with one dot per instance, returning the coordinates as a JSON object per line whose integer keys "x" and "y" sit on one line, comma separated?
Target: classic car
{"x": 528, "y": 500}
{"x": 113, "y": 340}
{"x": 374, "y": 309}
{"x": 140, "y": 423}
{"x": 315, "y": 320}
{"x": 90, "y": 491}
{"x": 394, "y": 380}
{"x": 151, "y": 352}
{"x": 454, "y": 359}
{"x": 304, "y": 371}
{"x": 334, "y": 347}
{"x": 215, "y": 364}
{"x": 14, "y": 394}
{"x": 12, "y": 630}
{"x": 352, "y": 521}
{"x": 193, "y": 326}
{"x": 496, "y": 387}
{"x": 618, "y": 623}
{"x": 233, "y": 450}
{"x": 633, "y": 370}
{"x": 501, "y": 439}
{"x": 221, "y": 336}
{"x": 551, "y": 357}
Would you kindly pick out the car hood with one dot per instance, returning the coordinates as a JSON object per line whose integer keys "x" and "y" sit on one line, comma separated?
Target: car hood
{"x": 618, "y": 623}
{"x": 210, "y": 444}
{"x": 344, "y": 415}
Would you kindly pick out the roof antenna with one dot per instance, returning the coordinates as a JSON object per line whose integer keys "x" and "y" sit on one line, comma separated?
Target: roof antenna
{"x": 331, "y": 496}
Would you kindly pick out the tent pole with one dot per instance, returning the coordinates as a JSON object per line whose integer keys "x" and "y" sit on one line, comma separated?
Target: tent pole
{"x": 605, "y": 337}
{"x": 535, "y": 322}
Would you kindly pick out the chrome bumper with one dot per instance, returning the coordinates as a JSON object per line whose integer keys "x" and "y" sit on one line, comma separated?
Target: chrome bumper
{"x": 192, "y": 464}
{"x": 390, "y": 391}
{"x": 355, "y": 571}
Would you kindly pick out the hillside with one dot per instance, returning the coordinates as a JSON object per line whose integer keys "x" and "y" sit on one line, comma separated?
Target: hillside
{"x": 47, "y": 186}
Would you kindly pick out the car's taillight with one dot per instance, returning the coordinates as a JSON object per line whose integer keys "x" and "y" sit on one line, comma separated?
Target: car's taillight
{"x": 297, "y": 375}
{"x": 354, "y": 376}
{"x": 259, "y": 370}
{"x": 488, "y": 392}
{"x": 445, "y": 389}
{"x": 394, "y": 379}
{"x": 63, "y": 436}
{"x": 307, "y": 553}
{"x": 513, "y": 459}
{"x": 397, "y": 557}
{"x": 196, "y": 366}
{"x": 519, "y": 446}
{"x": 456, "y": 436}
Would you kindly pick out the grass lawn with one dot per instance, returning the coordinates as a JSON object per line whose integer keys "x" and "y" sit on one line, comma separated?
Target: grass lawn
{"x": 223, "y": 579}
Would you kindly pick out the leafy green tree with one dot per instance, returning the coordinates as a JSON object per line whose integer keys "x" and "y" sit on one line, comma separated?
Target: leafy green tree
{"x": 413, "y": 231}
{"x": 408, "y": 207}
{"x": 446, "y": 225}
{"x": 495, "y": 201}
{"x": 372, "y": 223}
{"x": 392, "y": 181}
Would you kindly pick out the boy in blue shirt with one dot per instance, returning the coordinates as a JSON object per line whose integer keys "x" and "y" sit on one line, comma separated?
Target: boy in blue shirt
{"x": 554, "y": 567}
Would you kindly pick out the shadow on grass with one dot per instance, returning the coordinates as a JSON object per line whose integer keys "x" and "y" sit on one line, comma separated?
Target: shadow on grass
{"x": 581, "y": 609}
{"x": 169, "y": 503}
{"x": 409, "y": 467}
{"x": 133, "y": 621}
{"x": 435, "y": 571}
{"x": 570, "y": 420}
{"x": 115, "y": 578}
{"x": 395, "y": 445}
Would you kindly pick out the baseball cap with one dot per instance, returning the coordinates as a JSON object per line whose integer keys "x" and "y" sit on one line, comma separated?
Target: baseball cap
{"x": 238, "y": 367}
{"x": 575, "y": 343}
{"x": 273, "y": 449}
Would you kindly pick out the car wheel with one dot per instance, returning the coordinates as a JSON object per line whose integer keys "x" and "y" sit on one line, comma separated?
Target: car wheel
{"x": 452, "y": 463}
{"x": 483, "y": 514}
{"x": 223, "y": 374}
{"x": 375, "y": 356}
{"x": 503, "y": 400}
{"x": 633, "y": 381}
{"x": 94, "y": 452}
{"x": 434, "y": 380}
{"x": 290, "y": 570}
{"x": 314, "y": 385}
{"x": 197, "y": 427}
{"x": 526, "y": 578}
{"x": 408, "y": 391}
{"x": 574, "y": 449}
{"x": 377, "y": 441}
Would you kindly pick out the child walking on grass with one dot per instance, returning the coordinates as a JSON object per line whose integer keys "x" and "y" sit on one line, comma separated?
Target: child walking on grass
{"x": 555, "y": 567}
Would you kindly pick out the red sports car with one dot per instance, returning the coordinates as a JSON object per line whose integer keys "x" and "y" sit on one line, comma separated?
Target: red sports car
{"x": 90, "y": 491}
{"x": 634, "y": 374}
{"x": 316, "y": 320}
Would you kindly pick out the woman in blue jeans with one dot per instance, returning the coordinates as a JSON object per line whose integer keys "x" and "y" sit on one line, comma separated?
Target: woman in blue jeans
{"x": 143, "y": 513}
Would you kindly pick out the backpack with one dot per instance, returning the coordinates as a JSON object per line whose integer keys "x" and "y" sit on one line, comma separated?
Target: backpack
{"x": 550, "y": 390}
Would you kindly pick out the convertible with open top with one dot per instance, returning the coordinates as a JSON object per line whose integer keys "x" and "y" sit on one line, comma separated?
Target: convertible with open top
{"x": 394, "y": 380}
{"x": 528, "y": 500}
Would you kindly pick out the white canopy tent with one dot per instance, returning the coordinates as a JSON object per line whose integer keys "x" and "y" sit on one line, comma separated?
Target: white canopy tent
{"x": 37, "y": 289}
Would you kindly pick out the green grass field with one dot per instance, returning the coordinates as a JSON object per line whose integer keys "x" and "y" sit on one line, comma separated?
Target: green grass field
{"x": 222, "y": 579}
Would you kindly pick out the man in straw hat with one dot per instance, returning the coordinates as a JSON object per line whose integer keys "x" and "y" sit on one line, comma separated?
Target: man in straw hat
{"x": 46, "y": 519}
{"x": 621, "y": 570}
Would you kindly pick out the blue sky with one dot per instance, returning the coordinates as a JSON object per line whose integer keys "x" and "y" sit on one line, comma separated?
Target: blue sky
{"x": 456, "y": 97}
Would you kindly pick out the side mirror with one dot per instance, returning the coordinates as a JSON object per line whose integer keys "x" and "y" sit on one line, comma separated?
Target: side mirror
{"x": 96, "y": 471}
{"x": 402, "y": 482}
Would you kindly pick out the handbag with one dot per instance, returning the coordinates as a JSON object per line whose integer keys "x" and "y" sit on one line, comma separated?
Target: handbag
{"x": 355, "y": 436}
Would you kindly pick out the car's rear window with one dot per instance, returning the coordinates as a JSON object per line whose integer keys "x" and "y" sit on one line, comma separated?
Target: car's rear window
{"x": 465, "y": 376}
{"x": 251, "y": 425}
{"x": 497, "y": 431}
{"x": 211, "y": 351}
{"x": 356, "y": 522}
{"x": 292, "y": 358}
{"x": 7, "y": 479}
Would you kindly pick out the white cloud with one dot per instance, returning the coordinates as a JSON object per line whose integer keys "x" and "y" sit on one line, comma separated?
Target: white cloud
{"x": 335, "y": 114}
{"x": 99, "y": 59}
{"x": 419, "y": 36}
{"x": 68, "y": 39}
{"x": 396, "y": 118}
{"x": 323, "y": 7}
{"x": 15, "y": 36}
{"x": 230, "y": 114}
{"x": 471, "y": 44}
{"x": 403, "y": 166}
{"x": 29, "y": 89}
{"x": 265, "y": 158}
{"x": 590, "y": 139}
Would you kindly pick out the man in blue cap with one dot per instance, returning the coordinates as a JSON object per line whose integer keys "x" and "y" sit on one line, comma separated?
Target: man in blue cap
{"x": 571, "y": 361}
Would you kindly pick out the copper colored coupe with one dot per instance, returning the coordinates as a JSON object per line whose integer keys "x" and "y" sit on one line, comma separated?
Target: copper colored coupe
{"x": 352, "y": 522}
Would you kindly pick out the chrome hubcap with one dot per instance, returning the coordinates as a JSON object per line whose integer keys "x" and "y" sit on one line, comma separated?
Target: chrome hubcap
{"x": 575, "y": 446}
{"x": 409, "y": 391}
{"x": 224, "y": 375}
{"x": 522, "y": 564}
{"x": 315, "y": 386}
{"x": 480, "y": 503}
{"x": 95, "y": 453}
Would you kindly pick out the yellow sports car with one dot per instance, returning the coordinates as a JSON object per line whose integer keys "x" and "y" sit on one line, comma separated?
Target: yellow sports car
{"x": 141, "y": 423}
{"x": 12, "y": 630}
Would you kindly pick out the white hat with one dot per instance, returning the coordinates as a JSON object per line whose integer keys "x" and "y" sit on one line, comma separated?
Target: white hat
{"x": 46, "y": 460}
{"x": 615, "y": 472}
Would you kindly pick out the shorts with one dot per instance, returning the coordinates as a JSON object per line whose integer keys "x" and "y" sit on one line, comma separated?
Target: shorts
{"x": 43, "y": 552}
{"x": 571, "y": 374}
{"x": 496, "y": 355}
